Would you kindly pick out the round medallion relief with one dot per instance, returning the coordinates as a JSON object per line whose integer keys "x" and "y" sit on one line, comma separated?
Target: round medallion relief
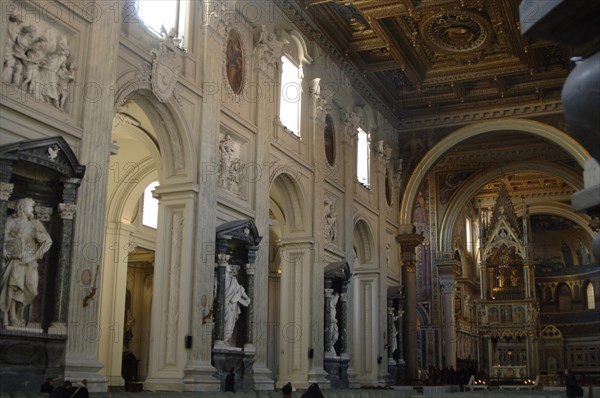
{"x": 234, "y": 62}
{"x": 457, "y": 32}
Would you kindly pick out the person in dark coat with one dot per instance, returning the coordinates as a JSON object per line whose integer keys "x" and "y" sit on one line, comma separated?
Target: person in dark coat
{"x": 287, "y": 390}
{"x": 79, "y": 391}
{"x": 62, "y": 391}
{"x": 573, "y": 389}
{"x": 48, "y": 385}
{"x": 313, "y": 392}
{"x": 230, "y": 381}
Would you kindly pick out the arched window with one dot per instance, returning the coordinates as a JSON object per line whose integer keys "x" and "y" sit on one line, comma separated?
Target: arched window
{"x": 168, "y": 13}
{"x": 291, "y": 95}
{"x": 363, "y": 161}
{"x": 589, "y": 292}
{"x": 150, "y": 207}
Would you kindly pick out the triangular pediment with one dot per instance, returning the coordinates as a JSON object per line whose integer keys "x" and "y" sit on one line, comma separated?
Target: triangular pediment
{"x": 503, "y": 210}
{"x": 45, "y": 159}
{"x": 338, "y": 271}
{"x": 244, "y": 230}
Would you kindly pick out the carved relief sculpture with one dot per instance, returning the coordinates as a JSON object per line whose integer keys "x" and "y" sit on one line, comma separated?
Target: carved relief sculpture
{"x": 330, "y": 230}
{"x": 38, "y": 64}
{"x": 165, "y": 68}
{"x": 25, "y": 243}
{"x": 229, "y": 165}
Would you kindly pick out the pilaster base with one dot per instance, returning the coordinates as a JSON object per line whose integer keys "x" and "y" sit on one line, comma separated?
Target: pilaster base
{"x": 160, "y": 384}
{"x": 241, "y": 363}
{"x": 401, "y": 378}
{"x": 337, "y": 372}
{"x": 351, "y": 373}
{"x": 319, "y": 376}
{"x": 201, "y": 376}
{"x": 77, "y": 369}
{"x": 263, "y": 378}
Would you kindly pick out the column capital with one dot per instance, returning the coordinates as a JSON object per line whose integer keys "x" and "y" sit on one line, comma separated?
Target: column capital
{"x": 448, "y": 287}
{"x": 222, "y": 259}
{"x": 250, "y": 268}
{"x": 67, "y": 210}
{"x": 408, "y": 242}
{"x": 6, "y": 190}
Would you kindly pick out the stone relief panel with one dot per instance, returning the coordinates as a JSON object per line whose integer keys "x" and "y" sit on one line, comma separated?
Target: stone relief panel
{"x": 330, "y": 230}
{"x": 39, "y": 57}
{"x": 231, "y": 165}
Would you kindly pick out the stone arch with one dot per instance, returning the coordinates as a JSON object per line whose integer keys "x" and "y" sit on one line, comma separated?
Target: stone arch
{"x": 289, "y": 197}
{"x": 474, "y": 184}
{"x": 154, "y": 145}
{"x": 289, "y": 281}
{"x": 560, "y": 138}
{"x": 298, "y": 45}
{"x": 171, "y": 129}
{"x": 363, "y": 242}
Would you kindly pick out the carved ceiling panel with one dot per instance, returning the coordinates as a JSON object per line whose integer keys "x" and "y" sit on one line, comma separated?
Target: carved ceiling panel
{"x": 440, "y": 57}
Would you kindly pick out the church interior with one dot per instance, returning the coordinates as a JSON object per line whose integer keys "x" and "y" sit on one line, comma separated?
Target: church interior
{"x": 349, "y": 193}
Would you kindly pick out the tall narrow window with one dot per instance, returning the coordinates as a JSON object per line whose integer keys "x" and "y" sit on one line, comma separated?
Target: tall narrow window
{"x": 168, "y": 13}
{"x": 469, "y": 235}
{"x": 150, "y": 207}
{"x": 291, "y": 94}
{"x": 591, "y": 304}
{"x": 363, "y": 158}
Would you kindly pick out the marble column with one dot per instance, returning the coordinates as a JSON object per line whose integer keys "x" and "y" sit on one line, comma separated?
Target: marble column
{"x": 343, "y": 322}
{"x": 390, "y": 331}
{"x": 448, "y": 294}
{"x": 485, "y": 355}
{"x": 327, "y": 316}
{"x": 249, "y": 327}
{"x": 408, "y": 243}
{"x": 222, "y": 262}
{"x": 63, "y": 270}
{"x": 67, "y": 211}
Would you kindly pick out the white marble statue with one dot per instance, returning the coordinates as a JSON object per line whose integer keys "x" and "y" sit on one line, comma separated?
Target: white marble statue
{"x": 235, "y": 295}
{"x": 226, "y": 156}
{"x": 335, "y": 297}
{"x": 394, "y": 333}
{"x": 25, "y": 243}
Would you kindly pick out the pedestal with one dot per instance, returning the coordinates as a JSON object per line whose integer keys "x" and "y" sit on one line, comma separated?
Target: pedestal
{"x": 242, "y": 362}
{"x": 337, "y": 371}
{"x": 27, "y": 359}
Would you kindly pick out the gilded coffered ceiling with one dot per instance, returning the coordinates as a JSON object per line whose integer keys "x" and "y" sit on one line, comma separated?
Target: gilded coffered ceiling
{"x": 434, "y": 62}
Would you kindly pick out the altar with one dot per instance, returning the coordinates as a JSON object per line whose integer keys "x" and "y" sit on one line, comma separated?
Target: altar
{"x": 508, "y": 372}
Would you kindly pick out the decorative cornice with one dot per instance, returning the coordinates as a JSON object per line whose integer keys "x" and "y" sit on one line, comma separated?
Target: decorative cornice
{"x": 522, "y": 110}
